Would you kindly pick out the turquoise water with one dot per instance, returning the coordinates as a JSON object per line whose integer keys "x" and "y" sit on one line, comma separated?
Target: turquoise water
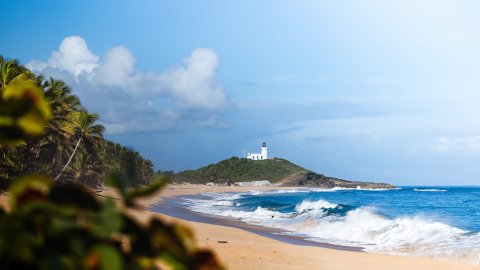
{"x": 440, "y": 222}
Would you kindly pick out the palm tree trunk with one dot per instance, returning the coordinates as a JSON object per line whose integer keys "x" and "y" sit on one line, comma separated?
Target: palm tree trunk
{"x": 26, "y": 157}
{"x": 69, "y": 160}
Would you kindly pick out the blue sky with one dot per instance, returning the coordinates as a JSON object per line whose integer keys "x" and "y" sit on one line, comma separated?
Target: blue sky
{"x": 365, "y": 90}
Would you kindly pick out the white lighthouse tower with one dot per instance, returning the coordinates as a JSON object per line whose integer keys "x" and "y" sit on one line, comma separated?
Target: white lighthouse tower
{"x": 259, "y": 156}
{"x": 264, "y": 150}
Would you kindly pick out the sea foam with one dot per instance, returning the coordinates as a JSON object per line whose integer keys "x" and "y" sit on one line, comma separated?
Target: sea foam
{"x": 314, "y": 205}
{"x": 325, "y": 221}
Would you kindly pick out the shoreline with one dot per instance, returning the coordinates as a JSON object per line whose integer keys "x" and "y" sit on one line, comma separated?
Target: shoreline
{"x": 240, "y": 248}
{"x": 170, "y": 207}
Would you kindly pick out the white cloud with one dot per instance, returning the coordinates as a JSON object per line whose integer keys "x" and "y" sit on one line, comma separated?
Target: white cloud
{"x": 117, "y": 68}
{"x": 130, "y": 100}
{"x": 73, "y": 56}
{"x": 36, "y": 65}
{"x": 464, "y": 144}
{"x": 194, "y": 85}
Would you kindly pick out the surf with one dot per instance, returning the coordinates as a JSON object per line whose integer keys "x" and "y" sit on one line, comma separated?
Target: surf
{"x": 355, "y": 224}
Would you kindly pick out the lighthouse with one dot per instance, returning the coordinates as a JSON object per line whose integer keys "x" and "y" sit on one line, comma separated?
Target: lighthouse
{"x": 259, "y": 156}
{"x": 264, "y": 150}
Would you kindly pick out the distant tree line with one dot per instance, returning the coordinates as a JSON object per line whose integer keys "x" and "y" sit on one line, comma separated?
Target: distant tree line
{"x": 71, "y": 147}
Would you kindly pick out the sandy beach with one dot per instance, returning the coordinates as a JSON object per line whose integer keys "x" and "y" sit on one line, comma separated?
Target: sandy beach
{"x": 241, "y": 249}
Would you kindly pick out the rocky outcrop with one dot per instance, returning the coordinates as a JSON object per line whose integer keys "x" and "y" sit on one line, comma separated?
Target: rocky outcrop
{"x": 312, "y": 179}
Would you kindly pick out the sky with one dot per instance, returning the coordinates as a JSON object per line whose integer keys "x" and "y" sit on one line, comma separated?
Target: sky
{"x": 384, "y": 91}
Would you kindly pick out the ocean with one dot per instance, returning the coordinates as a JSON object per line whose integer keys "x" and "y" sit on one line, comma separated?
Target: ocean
{"x": 439, "y": 222}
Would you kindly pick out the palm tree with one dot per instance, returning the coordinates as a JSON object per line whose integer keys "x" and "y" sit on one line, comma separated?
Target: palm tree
{"x": 87, "y": 168}
{"x": 11, "y": 70}
{"x": 61, "y": 99}
{"x": 42, "y": 153}
{"x": 146, "y": 169}
{"x": 83, "y": 127}
{"x": 63, "y": 105}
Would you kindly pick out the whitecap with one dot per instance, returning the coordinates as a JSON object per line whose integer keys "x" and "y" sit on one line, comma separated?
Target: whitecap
{"x": 314, "y": 205}
{"x": 429, "y": 190}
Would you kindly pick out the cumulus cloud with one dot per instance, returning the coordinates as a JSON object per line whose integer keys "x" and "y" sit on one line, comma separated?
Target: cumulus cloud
{"x": 193, "y": 85}
{"x": 117, "y": 69}
{"x": 130, "y": 100}
{"x": 73, "y": 56}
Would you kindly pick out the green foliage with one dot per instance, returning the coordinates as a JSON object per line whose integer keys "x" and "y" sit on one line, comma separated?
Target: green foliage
{"x": 62, "y": 225}
{"x": 62, "y": 139}
{"x": 82, "y": 126}
{"x": 241, "y": 169}
{"x": 23, "y": 111}
{"x": 123, "y": 181}
{"x": 128, "y": 163}
{"x": 55, "y": 225}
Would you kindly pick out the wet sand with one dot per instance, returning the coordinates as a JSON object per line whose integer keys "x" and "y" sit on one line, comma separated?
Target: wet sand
{"x": 173, "y": 207}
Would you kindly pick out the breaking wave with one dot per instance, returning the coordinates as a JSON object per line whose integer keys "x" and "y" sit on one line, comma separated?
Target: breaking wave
{"x": 363, "y": 226}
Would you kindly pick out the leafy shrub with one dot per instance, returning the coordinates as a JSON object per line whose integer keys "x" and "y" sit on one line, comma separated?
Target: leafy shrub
{"x": 55, "y": 225}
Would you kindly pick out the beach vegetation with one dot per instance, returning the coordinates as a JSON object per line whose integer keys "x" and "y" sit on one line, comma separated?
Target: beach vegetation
{"x": 65, "y": 140}
{"x": 61, "y": 223}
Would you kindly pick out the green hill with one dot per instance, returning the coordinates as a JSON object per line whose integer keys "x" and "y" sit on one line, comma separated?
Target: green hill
{"x": 277, "y": 170}
{"x": 241, "y": 169}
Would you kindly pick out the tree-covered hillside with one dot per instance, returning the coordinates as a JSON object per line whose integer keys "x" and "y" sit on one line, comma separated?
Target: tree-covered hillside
{"x": 241, "y": 169}
{"x": 277, "y": 170}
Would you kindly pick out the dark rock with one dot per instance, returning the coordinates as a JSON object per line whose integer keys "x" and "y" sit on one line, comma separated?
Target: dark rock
{"x": 312, "y": 179}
